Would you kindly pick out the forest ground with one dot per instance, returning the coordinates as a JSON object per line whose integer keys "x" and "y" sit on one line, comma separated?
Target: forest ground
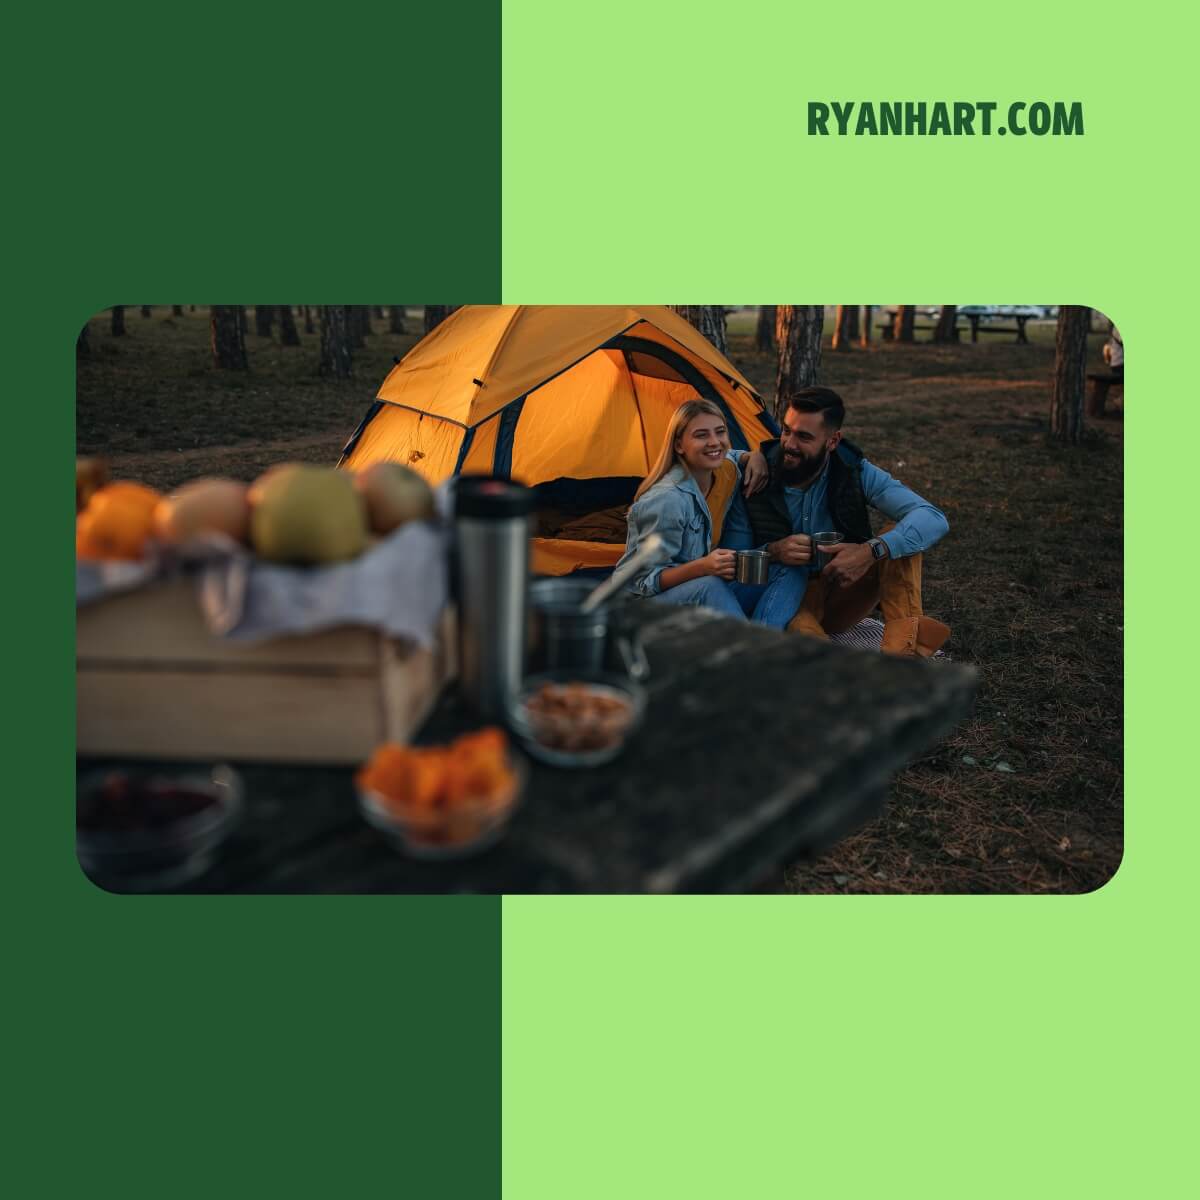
{"x": 1026, "y": 795}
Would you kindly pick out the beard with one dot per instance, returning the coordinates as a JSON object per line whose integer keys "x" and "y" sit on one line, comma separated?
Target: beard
{"x": 803, "y": 468}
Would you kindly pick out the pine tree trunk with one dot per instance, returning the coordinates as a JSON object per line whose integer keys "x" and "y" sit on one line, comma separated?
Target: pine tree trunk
{"x": 177, "y": 310}
{"x": 1070, "y": 370}
{"x": 264, "y": 318}
{"x": 868, "y": 313}
{"x": 764, "y": 333}
{"x": 798, "y": 332}
{"x": 709, "y": 319}
{"x": 902, "y": 329}
{"x": 309, "y": 327}
{"x": 947, "y": 325}
{"x": 843, "y": 333}
{"x": 396, "y": 318}
{"x": 336, "y": 357}
{"x": 364, "y": 320}
{"x": 435, "y": 314}
{"x": 288, "y": 335}
{"x": 118, "y": 321}
{"x": 229, "y": 337}
{"x": 146, "y": 310}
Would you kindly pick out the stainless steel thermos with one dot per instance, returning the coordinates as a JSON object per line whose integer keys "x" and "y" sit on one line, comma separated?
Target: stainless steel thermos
{"x": 491, "y": 584}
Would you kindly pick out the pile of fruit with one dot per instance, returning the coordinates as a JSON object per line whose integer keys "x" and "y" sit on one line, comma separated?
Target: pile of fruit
{"x": 443, "y": 795}
{"x": 293, "y": 513}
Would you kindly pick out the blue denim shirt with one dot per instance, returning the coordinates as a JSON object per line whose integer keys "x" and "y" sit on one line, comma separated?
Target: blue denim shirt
{"x": 675, "y": 509}
{"x": 918, "y": 524}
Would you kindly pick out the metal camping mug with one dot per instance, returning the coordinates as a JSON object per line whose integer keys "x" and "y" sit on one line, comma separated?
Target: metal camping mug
{"x": 753, "y": 566}
{"x": 563, "y": 637}
{"x": 821, "y": 560}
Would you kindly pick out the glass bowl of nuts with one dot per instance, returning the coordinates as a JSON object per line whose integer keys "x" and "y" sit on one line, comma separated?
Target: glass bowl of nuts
{"x": 577, "y": 718}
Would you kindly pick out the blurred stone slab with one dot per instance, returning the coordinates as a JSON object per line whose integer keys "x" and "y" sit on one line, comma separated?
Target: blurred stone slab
{"x": 758, "y": 749}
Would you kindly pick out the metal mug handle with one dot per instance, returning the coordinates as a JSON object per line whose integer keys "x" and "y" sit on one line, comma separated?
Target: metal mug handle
{"x": 633, "y": 655}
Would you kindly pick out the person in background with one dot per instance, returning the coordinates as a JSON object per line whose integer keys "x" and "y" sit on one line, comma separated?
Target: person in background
{"x": 820, "y": 482}
{"x": 685, "y": 499}
{"x": 1114, "y": 352}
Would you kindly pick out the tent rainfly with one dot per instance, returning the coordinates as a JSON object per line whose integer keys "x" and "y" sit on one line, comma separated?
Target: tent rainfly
{"x": 571, "y": 400}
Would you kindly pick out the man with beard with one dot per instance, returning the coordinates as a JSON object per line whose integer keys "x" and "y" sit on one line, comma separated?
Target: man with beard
{"x": 820, "y": 482}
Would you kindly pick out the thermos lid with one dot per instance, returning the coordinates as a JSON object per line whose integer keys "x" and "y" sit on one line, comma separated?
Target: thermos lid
{"x": 491, "y": 497}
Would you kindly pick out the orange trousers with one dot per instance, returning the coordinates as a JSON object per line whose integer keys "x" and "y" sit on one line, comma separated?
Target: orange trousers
{"x": 894, "y": 584}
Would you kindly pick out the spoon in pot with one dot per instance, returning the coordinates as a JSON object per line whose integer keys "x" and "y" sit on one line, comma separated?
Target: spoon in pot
{"x": 646, "y": 555}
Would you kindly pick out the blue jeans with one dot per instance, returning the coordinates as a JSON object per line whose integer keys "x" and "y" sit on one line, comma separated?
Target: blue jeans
{"x": 773, "y": 603}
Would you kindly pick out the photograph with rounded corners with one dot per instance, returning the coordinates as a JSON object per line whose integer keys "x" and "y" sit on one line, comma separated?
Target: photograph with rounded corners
{"x": 506, "y": 599}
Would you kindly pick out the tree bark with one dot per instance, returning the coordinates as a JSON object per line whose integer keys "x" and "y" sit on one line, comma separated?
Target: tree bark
{"x": 435, "y": 314}
{"x": 118, "y": 321}
{"x": 902, "y": 328}
{"x": 229, "y": 337}
{"x": 177, "y": 310}
{"x": 868, "y": 313}
{"x": 844, "y": 328}
{"x": 288, "y": 336}
{"x": 947, "y": 325}
{"x": 264, "y": 318}
{"x": 764, "y": 334}
{"x": 1070, "y": 370}
{"x": 146, "y": 310}
{"x": 709, "y": 319}
{"x": 798, "y": 332}
{"x": 336, "y": 357}
{"x": 396, "y": 318}
{"x": 309, "y": 327}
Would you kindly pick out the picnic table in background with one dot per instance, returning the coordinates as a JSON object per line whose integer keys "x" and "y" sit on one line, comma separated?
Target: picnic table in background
{"x": 978, "y": 322}
{"x": 758, "y": 750}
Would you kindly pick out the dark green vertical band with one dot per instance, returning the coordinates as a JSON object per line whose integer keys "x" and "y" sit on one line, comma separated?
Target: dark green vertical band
{"x": 228, "y": 1045}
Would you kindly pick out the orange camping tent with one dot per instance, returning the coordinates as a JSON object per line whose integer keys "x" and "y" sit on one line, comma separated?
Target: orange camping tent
{"x": 572, "y": 400}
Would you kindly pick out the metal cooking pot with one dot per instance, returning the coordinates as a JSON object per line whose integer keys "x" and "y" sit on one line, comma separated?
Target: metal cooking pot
{"x": 561, "y": 636}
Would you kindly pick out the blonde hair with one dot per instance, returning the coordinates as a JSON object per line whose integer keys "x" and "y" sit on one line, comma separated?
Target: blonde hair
{"x": 667, "y": 456}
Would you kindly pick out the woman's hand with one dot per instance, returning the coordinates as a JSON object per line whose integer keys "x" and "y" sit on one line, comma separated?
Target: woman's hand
{"x": 721, "y": 563}
{"x": 754, "y": 473}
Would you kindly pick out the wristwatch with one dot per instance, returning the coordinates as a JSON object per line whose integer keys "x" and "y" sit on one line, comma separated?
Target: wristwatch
{"x": 878, "y": 547}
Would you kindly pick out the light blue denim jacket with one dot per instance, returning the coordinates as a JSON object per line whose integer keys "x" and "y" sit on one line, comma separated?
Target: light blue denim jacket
{"x": 675, "y": 509}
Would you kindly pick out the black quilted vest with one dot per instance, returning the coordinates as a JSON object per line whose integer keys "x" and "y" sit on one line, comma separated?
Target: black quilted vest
{"x": 768, "y": 509}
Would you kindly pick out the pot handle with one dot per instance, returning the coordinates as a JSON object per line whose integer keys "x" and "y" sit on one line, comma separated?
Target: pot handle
{"x": 633, "y": 655}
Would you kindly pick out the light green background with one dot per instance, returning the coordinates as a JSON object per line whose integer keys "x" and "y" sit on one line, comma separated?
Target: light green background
{"x": 941, "y": 1046}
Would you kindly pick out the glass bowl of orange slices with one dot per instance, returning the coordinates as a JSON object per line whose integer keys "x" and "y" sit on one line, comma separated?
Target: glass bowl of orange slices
{"x": 444, "y": 801}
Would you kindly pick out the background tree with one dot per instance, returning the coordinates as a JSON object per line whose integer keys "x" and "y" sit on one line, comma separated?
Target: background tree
{"x": 396, "y": 318}
{"x": 1070, "y": 370}
{"x": 764, "y": 333}
{"x": 868, "y": 313}
{"x": 902, "y": 326}
{"x": 845, "y": 328}
{"x": 946, "y": 329}
{"x": 798, "y": 332}
{"x": 147, "y": 310}
{"x": 229, "y": 337}
{"x": 264, "y": 318}
{"x": 709, "y": 319}
{"x": 288, "y": 335}
{"x": 177, "y": 310}
{"x": 309, "y": 327}
{"x": 118, "y": 321}
{"x": 336, "y": 357}
{"x": 435, "y": 314}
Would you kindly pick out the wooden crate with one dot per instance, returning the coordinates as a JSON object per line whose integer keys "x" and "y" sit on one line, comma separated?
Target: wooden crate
{"x": 152, "y": 682}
